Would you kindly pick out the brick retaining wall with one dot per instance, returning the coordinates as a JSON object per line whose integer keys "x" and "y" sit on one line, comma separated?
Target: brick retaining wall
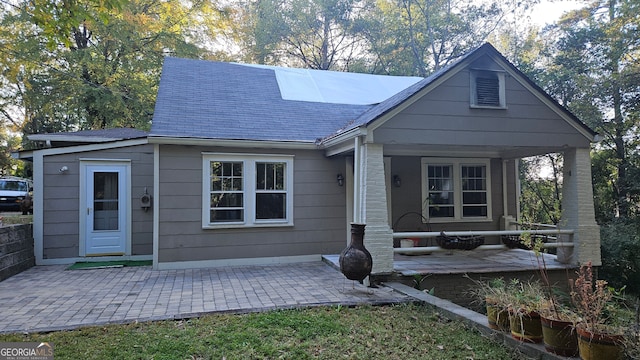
{"x": 16, "y": 249}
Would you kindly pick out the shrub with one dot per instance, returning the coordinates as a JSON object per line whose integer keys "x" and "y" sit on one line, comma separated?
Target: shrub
{"x": 620, "y": 245}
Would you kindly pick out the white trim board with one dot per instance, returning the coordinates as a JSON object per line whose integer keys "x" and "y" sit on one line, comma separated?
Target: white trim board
{"x": 179, "y": 265}
{"x": 71, "y": 260}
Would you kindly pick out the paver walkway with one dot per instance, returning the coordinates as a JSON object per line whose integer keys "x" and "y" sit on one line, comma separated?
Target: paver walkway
{"x": 46, "y": 298}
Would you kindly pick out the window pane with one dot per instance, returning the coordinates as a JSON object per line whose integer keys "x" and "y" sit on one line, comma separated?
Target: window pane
{"x": 226, "y": 197}
{"x": 440, "y": 191}
{"x": 469, "y": 211}
{"x": 440, "y": 211}
{"x": 441, "y": 198}
{"x": 474, "y": 190}
{"x": 271, "y": 206}
{"x": 226, "y": 200}
{"x": 226, "y": 215}
{"x": 270, "y": 176}
{"x": 474, "y": 198}
{"x": 105, "y": 201}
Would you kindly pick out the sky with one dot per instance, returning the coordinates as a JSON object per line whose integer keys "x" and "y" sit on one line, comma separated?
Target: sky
{"x": 547, "y": 12}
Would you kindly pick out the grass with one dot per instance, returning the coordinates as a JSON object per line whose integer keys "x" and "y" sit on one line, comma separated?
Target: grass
{"x": 406, "y": 331}
{"x": 16, "y": 218}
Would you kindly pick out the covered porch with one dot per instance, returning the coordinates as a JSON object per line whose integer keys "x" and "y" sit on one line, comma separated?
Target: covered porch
{"x": 438, "y": 152}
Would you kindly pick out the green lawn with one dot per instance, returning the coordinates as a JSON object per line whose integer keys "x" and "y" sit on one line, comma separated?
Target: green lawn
{"x": 387, "y": 332}
{"x": 11, "y": 218}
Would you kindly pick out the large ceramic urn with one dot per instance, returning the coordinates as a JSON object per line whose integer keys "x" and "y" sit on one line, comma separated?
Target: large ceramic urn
{"x": 355, "y": 260}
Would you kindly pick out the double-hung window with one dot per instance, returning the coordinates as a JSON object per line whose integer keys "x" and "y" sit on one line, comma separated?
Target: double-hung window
{"x": 242, "y": 190}
{"x": 456, "y": 189}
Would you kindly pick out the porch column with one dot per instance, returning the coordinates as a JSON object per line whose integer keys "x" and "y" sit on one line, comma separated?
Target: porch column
{"x": 378, "y": 237}
{"x": 578, "y": 210}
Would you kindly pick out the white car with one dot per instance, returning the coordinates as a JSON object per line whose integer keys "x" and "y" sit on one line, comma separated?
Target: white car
{"x": 15, "y": 194}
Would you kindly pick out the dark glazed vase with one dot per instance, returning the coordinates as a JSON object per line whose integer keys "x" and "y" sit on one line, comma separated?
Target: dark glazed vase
{"x": 355, "y": 260}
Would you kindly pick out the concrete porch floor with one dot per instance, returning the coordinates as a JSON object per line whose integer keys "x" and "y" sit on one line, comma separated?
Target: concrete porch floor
{"x": 472, "y": 261}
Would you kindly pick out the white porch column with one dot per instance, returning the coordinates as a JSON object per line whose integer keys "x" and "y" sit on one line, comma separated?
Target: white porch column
{"x": 578, "y": 210}
{"x": 378, "y": 236}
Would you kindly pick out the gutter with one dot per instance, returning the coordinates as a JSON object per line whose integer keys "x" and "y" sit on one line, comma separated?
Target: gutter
{"x": 298, "y": 144}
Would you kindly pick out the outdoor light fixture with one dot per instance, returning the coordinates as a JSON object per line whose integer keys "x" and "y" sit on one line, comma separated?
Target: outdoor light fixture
{"x": 63, "y": 169}
{"x": 396, "y": 181}
{"x": 340, "y": 179}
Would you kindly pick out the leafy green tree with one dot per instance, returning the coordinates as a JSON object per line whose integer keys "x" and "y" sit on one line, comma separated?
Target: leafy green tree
{"x": 595, "y": 72}
{"x": 426, "y": 35}
{"x": 318, "y": 34}
{"x": 105, "y": 72}
{"x": 541, "y": 196}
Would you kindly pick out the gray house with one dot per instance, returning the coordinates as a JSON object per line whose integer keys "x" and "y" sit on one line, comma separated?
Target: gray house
{"x": 253, "y": 164}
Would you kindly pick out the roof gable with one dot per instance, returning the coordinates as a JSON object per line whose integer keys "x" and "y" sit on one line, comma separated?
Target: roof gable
{"x": 487, "y": 57}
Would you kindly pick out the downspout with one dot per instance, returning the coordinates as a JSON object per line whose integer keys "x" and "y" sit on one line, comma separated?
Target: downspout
{"x": 357, "y": 194}
{"x": 505, "y": 200}
{"x": 516, "y": 165}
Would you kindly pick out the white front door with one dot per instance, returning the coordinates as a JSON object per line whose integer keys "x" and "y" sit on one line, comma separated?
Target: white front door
{"x": 105, "y": 209}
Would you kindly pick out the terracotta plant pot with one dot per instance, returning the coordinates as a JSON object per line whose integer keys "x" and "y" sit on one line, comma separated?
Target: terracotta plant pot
{"x": 497, "y": 317}
{"x": 594, "y": 346}
{"x": 526, "y": 327}
{"x": 559, "y": 337}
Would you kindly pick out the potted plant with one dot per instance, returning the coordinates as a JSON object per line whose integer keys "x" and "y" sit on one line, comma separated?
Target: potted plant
{"x": 524, "y": 315}
{"x": 558, "y": 320}
{"x": 493, "y": 295}
{"x": 558, "y": 328}
{"x": 597, "y": 338}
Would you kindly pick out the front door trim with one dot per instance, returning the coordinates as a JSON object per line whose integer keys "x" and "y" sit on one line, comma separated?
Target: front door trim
{"x": 83, "y": 197}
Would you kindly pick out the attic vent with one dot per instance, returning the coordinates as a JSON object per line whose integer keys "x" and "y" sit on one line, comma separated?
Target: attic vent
{"x": 487, "y": 89}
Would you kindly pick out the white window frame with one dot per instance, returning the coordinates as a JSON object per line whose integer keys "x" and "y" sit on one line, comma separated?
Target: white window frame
{"x": 249, "y": 189}
{"x": 473, "y": 100}
{"x": 456, "y": 164}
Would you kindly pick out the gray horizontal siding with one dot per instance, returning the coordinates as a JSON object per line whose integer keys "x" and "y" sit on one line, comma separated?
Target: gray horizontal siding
{"x": 61, "y": 193}
{"x": 444, "y": 117}
{"x": 319, "y": 211}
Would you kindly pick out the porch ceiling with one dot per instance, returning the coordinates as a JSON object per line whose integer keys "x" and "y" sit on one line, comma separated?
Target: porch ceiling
{"x": 504, "y": 152}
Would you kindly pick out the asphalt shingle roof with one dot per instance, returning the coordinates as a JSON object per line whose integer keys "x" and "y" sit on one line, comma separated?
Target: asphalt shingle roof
{"x": 204, "y": 99}
{"x": 215, "y": 100}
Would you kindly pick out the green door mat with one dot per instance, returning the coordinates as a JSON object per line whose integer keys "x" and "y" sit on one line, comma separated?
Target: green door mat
{"x": 83, "y": 265}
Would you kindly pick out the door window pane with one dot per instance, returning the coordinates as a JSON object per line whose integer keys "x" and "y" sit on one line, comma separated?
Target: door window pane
{"x": 105, "y": 201}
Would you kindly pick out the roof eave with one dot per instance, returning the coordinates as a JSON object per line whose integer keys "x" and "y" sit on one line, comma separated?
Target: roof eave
{"x": 238, "y": 143}
{"x": 74, "y": 138}
{"x": 340, "y": 143}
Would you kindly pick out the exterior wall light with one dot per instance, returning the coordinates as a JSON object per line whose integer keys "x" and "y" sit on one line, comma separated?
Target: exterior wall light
{"x": 397, "y": 181}
{"x": 64, "y": 169}
{"x": 340, "y": 179}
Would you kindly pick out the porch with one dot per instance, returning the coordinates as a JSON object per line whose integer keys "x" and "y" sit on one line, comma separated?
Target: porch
{"x": 449, "y": 274}
{"x": 467, "y": 262}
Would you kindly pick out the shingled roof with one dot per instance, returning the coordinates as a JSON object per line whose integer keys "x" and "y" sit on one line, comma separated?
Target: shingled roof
{"x": 215, "y": 100}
